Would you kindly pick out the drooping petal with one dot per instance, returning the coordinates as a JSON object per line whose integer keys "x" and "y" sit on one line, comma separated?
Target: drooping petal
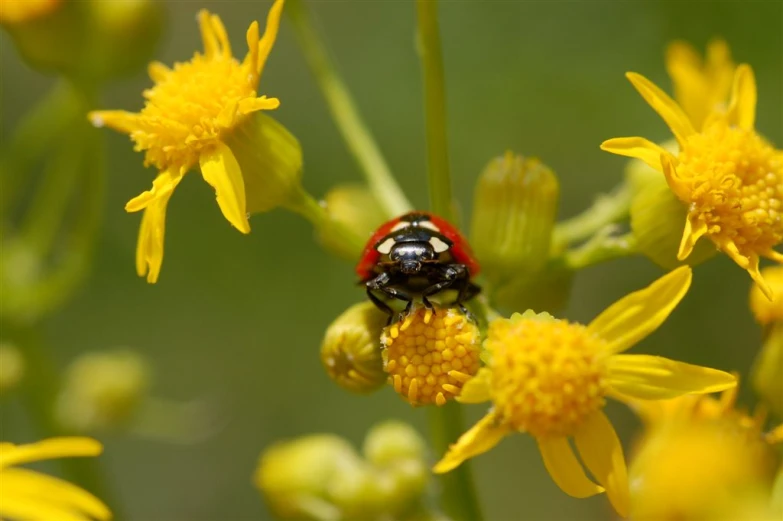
{"x": 655, "y": 378}
{"x": 476, "y": 390}
{"x": 163, "y": 185}
{"x": 63, "y": 447}
{"x": 270, "y": 34}
{"x": 152, "y": 232}
{"x": 565, "y": 470}
{"x": 637, "y": 147}
{"x": 635, "y": 316}
{"x": 695, "y": 229}
{"x": 220, "y": 169}
{"x": 18, "y": 482}
{"x": 479, "y": 439}
{"x": 742, "y": 107}
{"x": 666, "y": 107}
{"x": 601, "y": 451}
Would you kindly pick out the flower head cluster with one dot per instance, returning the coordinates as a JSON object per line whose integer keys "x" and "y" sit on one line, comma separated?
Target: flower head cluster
{"x": 549, "y": 378}
{"x": 31, "y": 495}
{"x": 431, "y": 354}
{"x": 729, "y": 178}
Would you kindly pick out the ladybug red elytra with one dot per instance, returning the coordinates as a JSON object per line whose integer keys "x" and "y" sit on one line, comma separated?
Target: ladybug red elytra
{"x": 417, "y": 254}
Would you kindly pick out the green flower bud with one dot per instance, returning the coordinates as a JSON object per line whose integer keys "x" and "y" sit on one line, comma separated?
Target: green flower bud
{"x": 295, "y": 476}
{"x": 657, "y": 222}
{"x": 767, "y": 373}
{"x": 351, "y": 349}
{"x": 11, "y": 367}
{"x": 355, "y": 208}
{"x": 103, "y": 390}
{"x": 392, "y": 441}
{"x": 514, "y": 210}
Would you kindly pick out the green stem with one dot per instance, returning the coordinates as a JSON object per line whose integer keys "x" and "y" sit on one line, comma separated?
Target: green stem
{"x": 605, "y": 210}
{"x": 601, "y": 248}
{"x": 345, "y": 114}
{"x": 435, "y": 109}
{"x": 40, "y": 394}
{"x": 458, "y": 495}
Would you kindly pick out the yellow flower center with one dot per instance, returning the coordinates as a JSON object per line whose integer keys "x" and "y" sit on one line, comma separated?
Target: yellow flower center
{"x": 547, "y": 375}
{"x": 732, "y": 181}
{"x": 430, "y": 355}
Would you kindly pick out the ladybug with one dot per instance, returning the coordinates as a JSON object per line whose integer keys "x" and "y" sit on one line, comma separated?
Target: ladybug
{"x": 417, "y": 255}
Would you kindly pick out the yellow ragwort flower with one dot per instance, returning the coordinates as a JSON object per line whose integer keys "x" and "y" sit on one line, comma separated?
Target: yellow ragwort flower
{"x": 549, "y": 378}
{"x": 184, "y": 123}
{"x": 20, "y": 11}
{"x": 431, "y": 354}
{"x": 767, "y": 311}
{"x": 701, "y": 87}
{"x": 33, "y": 496}
{"x": 728, "y": 176}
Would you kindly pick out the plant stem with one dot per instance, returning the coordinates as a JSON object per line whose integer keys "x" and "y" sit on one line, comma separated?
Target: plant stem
{"x": 435, "y": 109}
{"x": 601, "y": 247}
{"x": 458, "y": 495}
{"x": 607, "y": 209}
{"x": 345, "y": 114}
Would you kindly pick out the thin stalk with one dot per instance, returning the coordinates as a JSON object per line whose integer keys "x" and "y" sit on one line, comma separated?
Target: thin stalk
{"x": 458, "y": 493}
{"x": 345, "y": 114}
{"x": 606, "y": 209}
{"x": 435, "y": 109}
{"x": 602, "y": 247}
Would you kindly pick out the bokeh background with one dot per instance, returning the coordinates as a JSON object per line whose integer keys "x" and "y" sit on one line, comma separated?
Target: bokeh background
{"x": 239, "y": 319}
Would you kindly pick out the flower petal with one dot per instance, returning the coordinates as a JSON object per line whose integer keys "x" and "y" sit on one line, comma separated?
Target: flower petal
{"x": 479, "y": 439}
{"x": 29, "y": 509}
{"x": 692, "y": 233}
{"x": 601, "y": 451}
{"x": 742, "y": 107}
{"x": 654, "y": 378}
{"x": 637, "y": 147}
{"x": 19, "y": 482}
{"x": 220, "y": 169}
{"x": 119, "y": 120}
{"x": 635, "y": 316}
{"x": 163, "y": 185}
{"x": 211, "y": 47}
{"x": 270, "y": 34}
{"x": 152, "y": 232}
{"x": 62, "y": 447}
{"x": 476, "y": 390}
{"x": 666, "y": 107}
{"x": 565, "y": 470}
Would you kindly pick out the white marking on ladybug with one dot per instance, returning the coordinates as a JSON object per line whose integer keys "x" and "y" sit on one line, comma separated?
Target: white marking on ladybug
{"x": 399, "y": 226}
{"x": 429, "y": 225}
{"x": 438, "y": 245}
{"x": 386, "y": 246}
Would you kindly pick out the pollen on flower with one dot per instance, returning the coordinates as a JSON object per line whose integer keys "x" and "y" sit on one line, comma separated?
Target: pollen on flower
{"x": 731, "y": 179}
{"x": 431, "y": 354}
{"x": 547, "y": 375}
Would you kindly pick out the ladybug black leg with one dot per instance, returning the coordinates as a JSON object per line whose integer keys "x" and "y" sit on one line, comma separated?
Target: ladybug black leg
{"x": 382, "y": 283}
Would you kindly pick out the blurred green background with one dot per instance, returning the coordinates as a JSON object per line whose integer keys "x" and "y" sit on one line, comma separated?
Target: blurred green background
{"x": 239, "y": 319}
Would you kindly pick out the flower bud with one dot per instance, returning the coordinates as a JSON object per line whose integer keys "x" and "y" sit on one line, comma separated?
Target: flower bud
{"x": 103, "y": 390}
{"x": 351, "y": 349}
{"x": 11, "y": 367}
{"x": 355, "y": 208}
{"x": 767, "y": 372}
{"x": 295, "y": 476}
{"x": 391, "y": 442}
{"x": 657, "y": 218}
{"x": 767, "y": 311}
{"x": 514, "y": 210}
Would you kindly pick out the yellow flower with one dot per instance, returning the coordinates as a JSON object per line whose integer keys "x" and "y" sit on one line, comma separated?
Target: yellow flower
{"x": 729, "y": 178}
{"x": 33, "y": 496}
{"x": 431, "y": 354}
{"x": 701, "y": 87}
{"x": 197, "y": 114}
{"x": 20, "y": 11}
{"x": 550, "y": 377}
{"x": 767, "y": 311}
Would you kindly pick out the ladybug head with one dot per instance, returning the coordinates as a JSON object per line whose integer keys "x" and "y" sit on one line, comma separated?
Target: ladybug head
{"x": 410, "y": 255}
